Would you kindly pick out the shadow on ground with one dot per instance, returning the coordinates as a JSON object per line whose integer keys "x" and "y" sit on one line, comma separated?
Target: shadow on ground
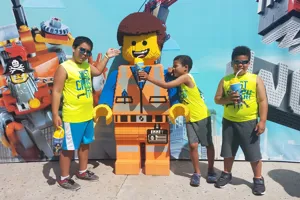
{"x": 54, "y": 165}
{"x": 288, "y": 179}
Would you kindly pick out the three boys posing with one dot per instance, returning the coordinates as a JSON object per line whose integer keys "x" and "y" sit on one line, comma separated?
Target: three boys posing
{"x": 240, "y": 127}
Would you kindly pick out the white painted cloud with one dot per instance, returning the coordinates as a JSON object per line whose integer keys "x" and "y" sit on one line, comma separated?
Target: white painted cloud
{"x": 212, "y": 63}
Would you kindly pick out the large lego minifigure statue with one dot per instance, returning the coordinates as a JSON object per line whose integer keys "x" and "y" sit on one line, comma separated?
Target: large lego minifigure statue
{"x": 139, "y": 109}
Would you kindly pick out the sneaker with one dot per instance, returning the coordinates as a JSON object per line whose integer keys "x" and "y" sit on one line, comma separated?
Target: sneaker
{"x": 223, "y": 180}
{"x": 88, "y": 176}
{"x": 195, "y": 180}
{"x": 259, "y": 186}
{"x": 211, "y": 177}
{"x": 69, "y": 184}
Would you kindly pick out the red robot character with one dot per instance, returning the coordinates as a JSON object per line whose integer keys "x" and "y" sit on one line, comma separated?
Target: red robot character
{"x": 27, "y": 67}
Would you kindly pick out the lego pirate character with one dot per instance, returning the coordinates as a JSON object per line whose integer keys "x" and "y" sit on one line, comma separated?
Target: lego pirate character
{"x": 140, "y": 109}
{"x": 28, "y": 61}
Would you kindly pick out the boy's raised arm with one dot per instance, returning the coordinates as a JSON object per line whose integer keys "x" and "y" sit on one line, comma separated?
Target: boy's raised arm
{"x": 184, "y": 79}
{"x": 101, "y": 63}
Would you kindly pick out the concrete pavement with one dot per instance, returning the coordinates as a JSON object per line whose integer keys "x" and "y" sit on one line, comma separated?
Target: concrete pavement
{"x": 36, "y": 181}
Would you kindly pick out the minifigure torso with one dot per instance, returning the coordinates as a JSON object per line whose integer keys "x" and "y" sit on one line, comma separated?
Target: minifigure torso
{"x": 129, "y": 101}
{"x": 151, "y": 101}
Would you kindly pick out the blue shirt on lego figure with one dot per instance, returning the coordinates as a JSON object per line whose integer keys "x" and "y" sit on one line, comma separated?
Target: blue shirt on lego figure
{"x": 172, "y": 92}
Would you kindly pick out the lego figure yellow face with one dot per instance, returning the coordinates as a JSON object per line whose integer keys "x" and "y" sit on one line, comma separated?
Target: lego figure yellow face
{"x": 19, "y": 78}
{"x": 141, "y": 35}
{"x": 143, "y": 46}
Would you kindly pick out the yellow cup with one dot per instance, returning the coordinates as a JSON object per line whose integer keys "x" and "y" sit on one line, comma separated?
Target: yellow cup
{"x": 59, "y": 133}
{"x": 57, "y": 140}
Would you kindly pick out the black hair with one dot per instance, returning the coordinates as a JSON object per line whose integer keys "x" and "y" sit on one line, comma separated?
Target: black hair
{"x": 241, "y": 51}
{"x": 82, "y": 39}
{"x": 185, "y": 60}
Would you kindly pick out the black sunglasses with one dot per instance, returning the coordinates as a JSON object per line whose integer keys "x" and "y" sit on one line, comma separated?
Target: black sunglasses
{"x": 83, "y": 50}
{"x": 243, "y": 62}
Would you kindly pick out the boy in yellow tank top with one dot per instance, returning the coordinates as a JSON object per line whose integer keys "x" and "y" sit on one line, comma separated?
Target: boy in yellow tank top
{"x": 73, "y": 81}
{"x": 199, "y": 127}
{"x": 243, "y": 98}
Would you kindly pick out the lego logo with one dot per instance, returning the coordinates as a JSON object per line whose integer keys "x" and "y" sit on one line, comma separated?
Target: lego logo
{"x": 285, "y": 35}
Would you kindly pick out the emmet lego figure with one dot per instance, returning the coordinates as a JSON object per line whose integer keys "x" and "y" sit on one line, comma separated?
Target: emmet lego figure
{"x": 140, "y": 109}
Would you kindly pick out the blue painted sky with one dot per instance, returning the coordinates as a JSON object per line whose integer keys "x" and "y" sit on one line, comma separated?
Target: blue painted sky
{"x": 207, "y": 30}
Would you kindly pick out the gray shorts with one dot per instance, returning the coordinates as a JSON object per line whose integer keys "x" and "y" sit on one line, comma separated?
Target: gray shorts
{"x": 242, "y": 134}
{"x": 200, "y": 132}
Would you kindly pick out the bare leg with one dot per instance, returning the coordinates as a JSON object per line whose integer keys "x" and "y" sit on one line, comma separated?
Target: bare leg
{"x": 210, "y": 157}
{"x": 65, "y": 162}
{"x": 228, "y": 162}
{"x": 257, "y": 168}
{"x": 195, "y": 157}
{"x": 83, "y": 155}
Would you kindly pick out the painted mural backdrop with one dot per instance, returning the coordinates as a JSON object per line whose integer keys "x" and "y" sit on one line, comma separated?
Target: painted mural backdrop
{"x": 36, "y": 36}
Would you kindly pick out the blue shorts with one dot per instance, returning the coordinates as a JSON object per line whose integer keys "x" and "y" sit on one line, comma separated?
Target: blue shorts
{"x": 77, "y": 134}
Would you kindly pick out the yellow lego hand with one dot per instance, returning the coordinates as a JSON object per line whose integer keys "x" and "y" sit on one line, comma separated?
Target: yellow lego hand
{"x": 4, "y": 142}
{"x": 179, "y": 110}
{"x": 102, "y": 110}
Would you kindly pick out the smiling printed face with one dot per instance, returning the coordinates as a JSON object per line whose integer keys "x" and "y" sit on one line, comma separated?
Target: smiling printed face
{"x": 144, "y": 46}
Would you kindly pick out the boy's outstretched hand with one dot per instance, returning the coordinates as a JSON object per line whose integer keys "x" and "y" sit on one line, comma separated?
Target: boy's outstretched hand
{"x": 112, "y": 52}
{"x": 143, "y": 75}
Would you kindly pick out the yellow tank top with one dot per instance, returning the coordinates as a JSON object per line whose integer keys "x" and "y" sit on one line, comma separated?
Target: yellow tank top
{"x": 248, "y": 109}
{"x": 77, "y": 93}
{"x": 193, "y": 99}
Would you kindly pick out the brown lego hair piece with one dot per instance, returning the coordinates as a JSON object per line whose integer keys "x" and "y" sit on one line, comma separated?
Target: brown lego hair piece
{"x": 141, "y": 23}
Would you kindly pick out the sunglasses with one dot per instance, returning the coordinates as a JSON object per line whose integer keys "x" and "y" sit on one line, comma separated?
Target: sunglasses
{"x": 243, "y": 62}
{"x": 83, "y": 50}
